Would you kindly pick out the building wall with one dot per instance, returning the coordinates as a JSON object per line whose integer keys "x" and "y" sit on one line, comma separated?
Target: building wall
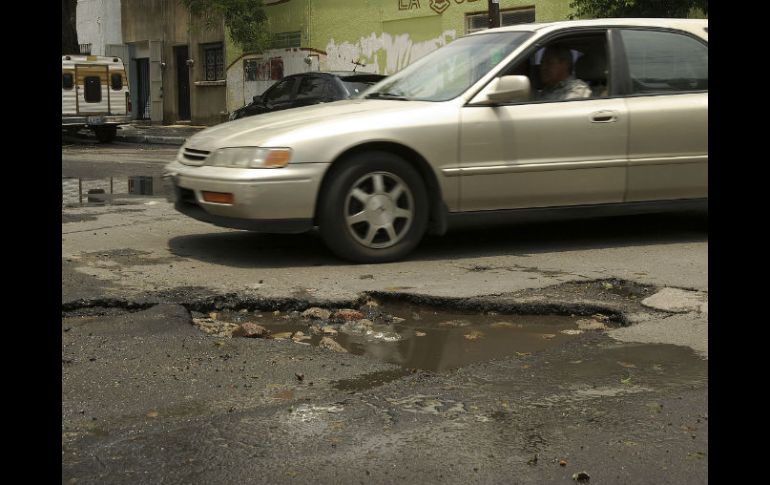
{"x": 168, "y": 22}
{"x": 98, "y": 24}
{"x": 384, "y": 35}
{"x": 391, "y": 34}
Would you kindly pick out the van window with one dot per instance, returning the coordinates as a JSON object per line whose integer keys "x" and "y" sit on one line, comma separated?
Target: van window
{"x": 117, "y": 82}
{"x": 93, "y": 91}
{"x": 66, "y": 81}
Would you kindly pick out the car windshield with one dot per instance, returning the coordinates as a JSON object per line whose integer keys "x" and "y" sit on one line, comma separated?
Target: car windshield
{"x": 446, "y": 73}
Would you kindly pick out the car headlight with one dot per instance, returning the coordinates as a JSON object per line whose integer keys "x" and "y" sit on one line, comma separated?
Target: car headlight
{"x": 250, "y": 157}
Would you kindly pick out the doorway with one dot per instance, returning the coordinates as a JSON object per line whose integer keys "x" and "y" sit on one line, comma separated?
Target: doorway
{"x": 183, "y": 82}
{"x": 143, "y": 89}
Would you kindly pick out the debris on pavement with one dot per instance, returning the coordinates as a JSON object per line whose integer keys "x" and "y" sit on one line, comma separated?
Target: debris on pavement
{"x": 581, "y": 477}
{"x": 251, "y": 330}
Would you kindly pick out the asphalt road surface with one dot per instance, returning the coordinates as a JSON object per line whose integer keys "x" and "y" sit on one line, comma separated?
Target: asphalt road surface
{"x": 149, "y": 397}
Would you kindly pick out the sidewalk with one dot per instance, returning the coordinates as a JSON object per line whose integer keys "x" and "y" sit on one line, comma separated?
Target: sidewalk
{"x": 147, "y": 133}
{"x": 158, "y": 134}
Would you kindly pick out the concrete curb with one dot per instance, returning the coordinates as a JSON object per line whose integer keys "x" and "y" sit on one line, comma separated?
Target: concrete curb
{"x": 160, "y": 140}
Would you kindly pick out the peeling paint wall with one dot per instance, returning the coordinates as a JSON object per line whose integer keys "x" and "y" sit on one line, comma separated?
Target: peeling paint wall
{"x": 385, "y": 35}
{"x": 98, "y": 24}
{"x": 384, "y": 54}
{"x": 241, "y": 91}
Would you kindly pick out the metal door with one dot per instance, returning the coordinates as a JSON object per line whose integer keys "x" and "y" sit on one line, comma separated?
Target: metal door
{"x": 143, "y": 89}
{"x": 183, "y": 82}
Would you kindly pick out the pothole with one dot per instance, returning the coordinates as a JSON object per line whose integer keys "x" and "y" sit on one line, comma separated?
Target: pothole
{"x": 409, "y": 335}
{"x": 409, "y": 330}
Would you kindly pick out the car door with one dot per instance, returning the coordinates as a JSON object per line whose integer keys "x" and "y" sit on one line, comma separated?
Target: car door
{"x": 667, "y": 88}
{"x": 544, "y": 153}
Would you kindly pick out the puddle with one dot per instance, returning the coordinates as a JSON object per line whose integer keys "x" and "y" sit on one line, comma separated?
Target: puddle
{"x": 415, "y": 337}
{"x": 110, "y": 190}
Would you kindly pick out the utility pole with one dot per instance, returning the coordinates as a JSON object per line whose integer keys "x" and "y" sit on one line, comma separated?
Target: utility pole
{"x": 494, "y": 13}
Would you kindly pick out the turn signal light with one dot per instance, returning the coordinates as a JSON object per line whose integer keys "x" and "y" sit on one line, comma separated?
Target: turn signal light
{"x": 218, "y": 197}
{"x": 277, "y": 158}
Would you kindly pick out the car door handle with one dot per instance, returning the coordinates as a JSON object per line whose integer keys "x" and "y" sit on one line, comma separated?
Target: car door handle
{"x": 604, "y": 117}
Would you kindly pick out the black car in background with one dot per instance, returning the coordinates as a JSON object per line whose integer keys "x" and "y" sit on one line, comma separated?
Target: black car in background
{"x": 306, "y": 89}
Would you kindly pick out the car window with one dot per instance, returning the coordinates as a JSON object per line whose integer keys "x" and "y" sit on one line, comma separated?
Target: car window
{"x": 311, "y": 87}
{"x": 116, "y": 80}
{"x": 665, "y": 62}
{"x": 280, "y": 92}
{"x": 354, "y": 89}
{"x": 582, "y": 71}
{"x": 93, "y": 90}
{"x": 452, "y": 69}
{"x": 67, "y": 81}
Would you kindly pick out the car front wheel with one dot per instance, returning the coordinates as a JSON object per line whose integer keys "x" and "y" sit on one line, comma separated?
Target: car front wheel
{"x": 374, "y": 210}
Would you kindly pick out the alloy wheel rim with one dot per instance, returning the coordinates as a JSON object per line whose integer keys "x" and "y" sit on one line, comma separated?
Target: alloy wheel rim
{"x": 379, "y": 209}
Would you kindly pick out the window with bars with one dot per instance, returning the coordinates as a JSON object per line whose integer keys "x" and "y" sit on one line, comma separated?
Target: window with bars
{"x": 480, "y": 21}
{"x": 285, "y": 40}
{"x": 213, "y": 62}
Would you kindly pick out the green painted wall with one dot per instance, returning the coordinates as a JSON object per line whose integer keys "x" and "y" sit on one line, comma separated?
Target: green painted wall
{"x": 321, "y": 21}
{"x": 389, "y": 34}
{"x": 350, "y": 20}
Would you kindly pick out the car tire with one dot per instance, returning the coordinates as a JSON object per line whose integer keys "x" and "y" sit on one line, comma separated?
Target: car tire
{"x": 105, "y": 134}
{"x": 374, "y": 208}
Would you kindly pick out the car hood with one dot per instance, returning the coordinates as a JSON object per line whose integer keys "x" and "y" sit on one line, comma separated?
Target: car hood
{"x": 265, "y": 129}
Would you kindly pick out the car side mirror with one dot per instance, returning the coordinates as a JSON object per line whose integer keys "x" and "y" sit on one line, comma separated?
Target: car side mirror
{"x": 505, "y": 89}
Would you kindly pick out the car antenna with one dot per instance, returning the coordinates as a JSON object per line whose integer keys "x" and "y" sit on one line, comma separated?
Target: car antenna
{"x": 358, "y": 64}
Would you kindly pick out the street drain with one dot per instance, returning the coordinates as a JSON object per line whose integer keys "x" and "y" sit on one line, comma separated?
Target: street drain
{"x": 414, "y": 336}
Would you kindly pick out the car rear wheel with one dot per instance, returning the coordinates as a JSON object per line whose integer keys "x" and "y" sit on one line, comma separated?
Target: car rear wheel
{"x": 374, "y": 210}
{"x": 105, "y": 134}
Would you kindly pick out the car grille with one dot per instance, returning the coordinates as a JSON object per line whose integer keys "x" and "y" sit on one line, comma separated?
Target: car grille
{"x": 194, "y": 157}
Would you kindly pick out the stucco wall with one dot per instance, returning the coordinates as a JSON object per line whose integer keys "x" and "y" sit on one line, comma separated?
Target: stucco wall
{"x": 385, "y": 35}
{"x": 168, "y": 22}
{"x": 98, "y": 24}
{"x": 241, "y": 92}
{"x": 391, "y": 34}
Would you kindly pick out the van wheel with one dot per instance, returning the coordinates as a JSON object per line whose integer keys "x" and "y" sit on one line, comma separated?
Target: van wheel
{"x": 105, "y": 134}
{"x": 374, "y": 209}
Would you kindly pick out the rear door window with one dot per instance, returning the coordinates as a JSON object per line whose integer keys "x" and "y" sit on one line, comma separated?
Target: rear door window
{"x": 93, "y": 89}
{"x": 665, "y": 62}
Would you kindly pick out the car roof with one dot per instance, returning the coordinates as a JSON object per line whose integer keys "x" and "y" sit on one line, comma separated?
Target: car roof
{"x": 340, "y": 74}
{"x": 698, "y": 27}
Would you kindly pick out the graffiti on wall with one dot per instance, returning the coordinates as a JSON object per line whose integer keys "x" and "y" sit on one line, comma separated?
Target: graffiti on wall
{"x": 438, "y": 6}
{"x": 263, "y": 70}
{"x": 384, "y": 54}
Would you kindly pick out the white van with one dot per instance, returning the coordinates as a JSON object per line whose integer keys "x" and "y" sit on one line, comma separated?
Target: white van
{"x": 94, "y": 94}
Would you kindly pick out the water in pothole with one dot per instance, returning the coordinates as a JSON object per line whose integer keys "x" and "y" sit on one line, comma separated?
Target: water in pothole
{"x": 110, "y": 190}
{"x": 416, "y": 336}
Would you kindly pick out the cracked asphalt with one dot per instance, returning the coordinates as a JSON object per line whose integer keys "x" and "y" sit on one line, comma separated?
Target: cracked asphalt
{"x": 148, "y": 398}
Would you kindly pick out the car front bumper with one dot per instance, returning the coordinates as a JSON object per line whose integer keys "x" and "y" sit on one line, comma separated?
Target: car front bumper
{"x": 264, "y": 200}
